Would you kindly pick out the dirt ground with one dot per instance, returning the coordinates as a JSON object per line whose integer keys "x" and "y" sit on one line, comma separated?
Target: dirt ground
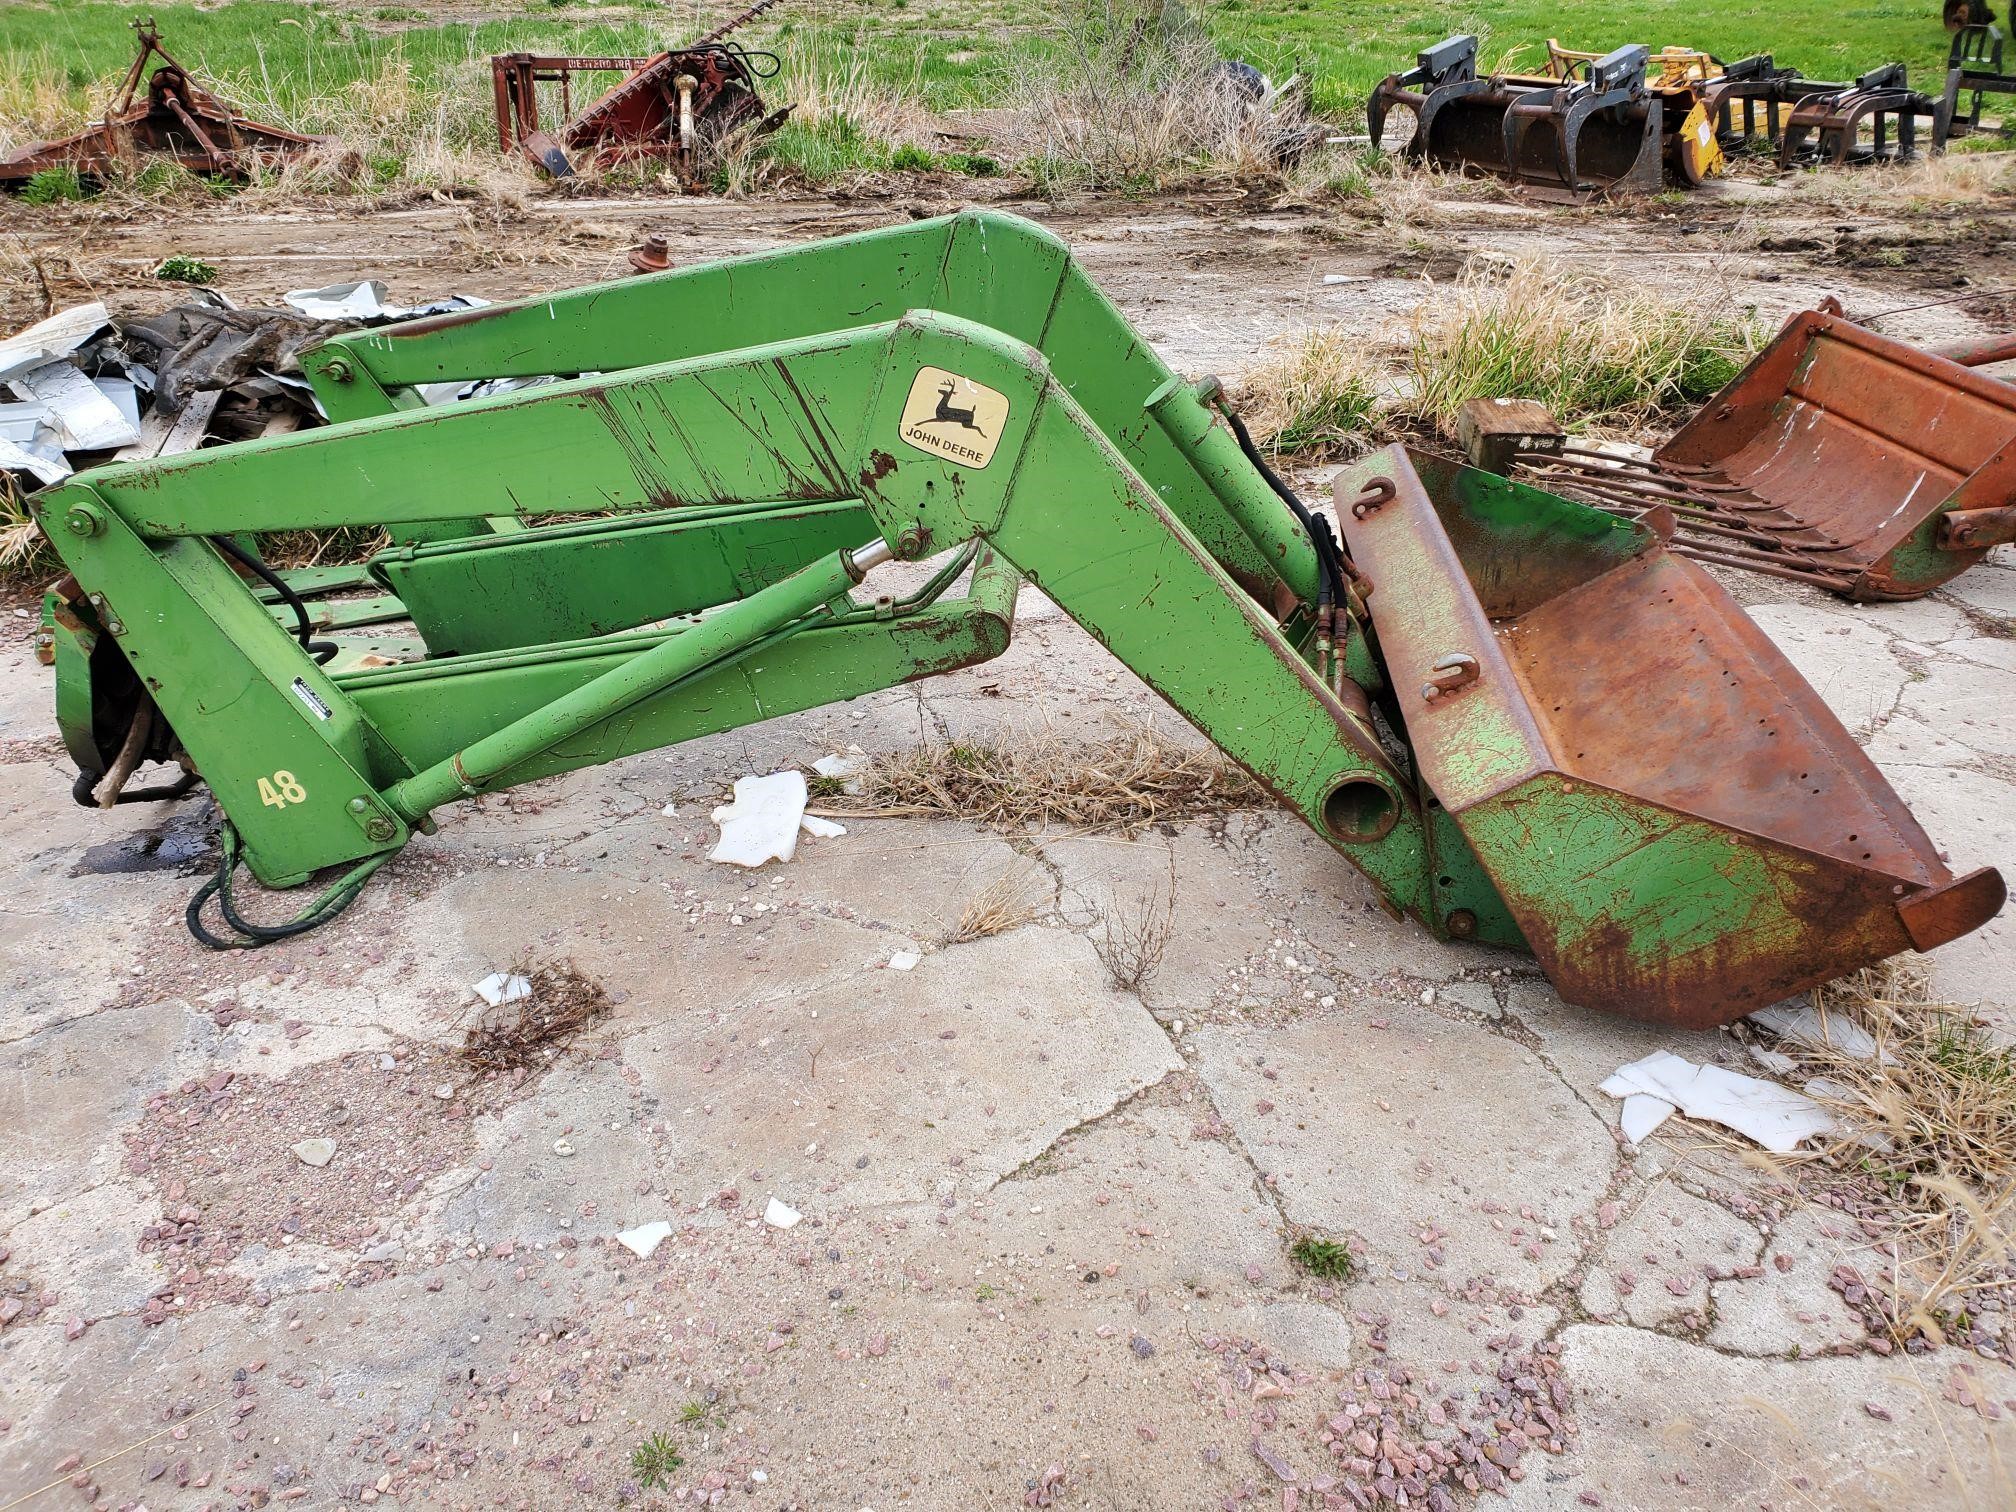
{"x": 1044, "y": 1258}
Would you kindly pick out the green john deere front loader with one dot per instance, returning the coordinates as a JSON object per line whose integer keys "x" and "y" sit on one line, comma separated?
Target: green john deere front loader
{"x": 1523, "y": 719}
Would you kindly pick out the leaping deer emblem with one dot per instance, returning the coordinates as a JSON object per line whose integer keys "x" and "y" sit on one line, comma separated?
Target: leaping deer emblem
{"x": 949, "y": 413}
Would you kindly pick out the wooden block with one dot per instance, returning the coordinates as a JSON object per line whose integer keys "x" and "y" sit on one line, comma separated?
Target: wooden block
{"x": 1495, "y": 431}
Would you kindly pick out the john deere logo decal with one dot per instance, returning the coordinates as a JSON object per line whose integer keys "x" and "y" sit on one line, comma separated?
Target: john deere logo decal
{"x": 954, "y": 418}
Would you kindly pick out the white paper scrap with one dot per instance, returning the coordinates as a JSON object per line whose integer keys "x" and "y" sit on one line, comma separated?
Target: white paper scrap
{"x": 1642, "y": 1114}
{"x": 1775, "y": 1117}
{"x": 837, "y": 766}
{"x": 645, "y": 1238}
{"x": 762, "y": 823}
{"x": 822, "y": 829}
{"x": 502, "y": 987}
{"x": 905, "y": 960}
{"x": 777, "y": 1215}
{"x": 1804, "y": 1024}
{"x": 1777, "y": 1062}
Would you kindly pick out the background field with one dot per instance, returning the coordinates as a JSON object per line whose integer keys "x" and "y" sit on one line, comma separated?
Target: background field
{"x": 302, "y": 62}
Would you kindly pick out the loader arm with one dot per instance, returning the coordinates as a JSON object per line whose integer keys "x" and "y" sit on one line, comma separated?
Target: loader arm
{"x": 1052, "y": 498}
{"x": 1445, "y": 711}
{"x": 1001, "y": 271}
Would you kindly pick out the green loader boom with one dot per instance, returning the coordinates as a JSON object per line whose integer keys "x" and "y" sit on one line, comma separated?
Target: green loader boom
{"x": 1524, "y": 720}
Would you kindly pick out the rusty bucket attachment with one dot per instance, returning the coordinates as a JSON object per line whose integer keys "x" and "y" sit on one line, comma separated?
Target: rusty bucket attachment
{"x": 175, "y": 120}
{"x": 1686, "y": 813}
{"x": 1826, "y": 126}
{"x": 1564, "y": 139}
{"x": 1838, "y": 457}
{"x": 1973, "y": 69}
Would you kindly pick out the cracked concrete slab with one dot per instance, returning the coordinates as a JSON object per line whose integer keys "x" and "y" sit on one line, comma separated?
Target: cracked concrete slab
{"x": 1674, "y": 1425}
{"x": 1795, "y": 1312}
{"x": 1499, "y": 1159}
{"x": 1662, "y": 1258}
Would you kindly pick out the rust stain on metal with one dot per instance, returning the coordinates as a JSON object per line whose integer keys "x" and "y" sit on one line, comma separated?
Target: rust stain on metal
{"x": 1782, "y": 855}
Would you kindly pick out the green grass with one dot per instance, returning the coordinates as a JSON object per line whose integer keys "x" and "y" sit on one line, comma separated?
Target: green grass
{"x": 412, "y": 96}
{"x": 180, "y": 268}
{"x": 1347, "y": 46}
{"x": 654, "y": 1460}
{"x": 295, "y": 54}
{"x": 51, "y": 185}
{"x": 1325, "y": 1258}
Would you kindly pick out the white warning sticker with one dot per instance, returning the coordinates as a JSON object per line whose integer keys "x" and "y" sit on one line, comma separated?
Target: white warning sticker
{"x": 312, "y": 700}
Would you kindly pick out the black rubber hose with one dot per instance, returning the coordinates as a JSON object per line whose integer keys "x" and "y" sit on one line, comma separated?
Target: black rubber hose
{"x": 252, "y": 935}
{"x": 304, "y": 630}
{"x": 1329, "y": 556}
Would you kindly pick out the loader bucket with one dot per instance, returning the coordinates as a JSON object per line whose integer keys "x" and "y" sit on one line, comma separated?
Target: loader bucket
{"x": 1838, "y": 457}
{"x": 1678, "y": 825}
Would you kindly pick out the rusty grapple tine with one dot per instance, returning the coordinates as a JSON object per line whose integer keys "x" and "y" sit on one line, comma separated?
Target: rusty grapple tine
{"x": 1682, "y": 833}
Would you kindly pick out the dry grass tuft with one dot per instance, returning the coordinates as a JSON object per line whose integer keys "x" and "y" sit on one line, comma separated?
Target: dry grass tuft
{"x": 1013, "y": 899}
{"x": 24, "y": 553}
{"x": 529, "y": 1034}
{"x": 846, "y": 124}
{"x": 1126, "y": 97}
{"x": 1132, "y": 938}
{"x": 1122, "y": 784}
{"x": 1929, "y": 1141}
{"x": 1594, "y": 352}
{"x": 1316, "y": 397}
{"x": 1956, "y": 179}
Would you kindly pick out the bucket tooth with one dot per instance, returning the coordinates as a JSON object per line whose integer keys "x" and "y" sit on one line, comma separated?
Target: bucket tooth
{"x": 1681, "y": 829}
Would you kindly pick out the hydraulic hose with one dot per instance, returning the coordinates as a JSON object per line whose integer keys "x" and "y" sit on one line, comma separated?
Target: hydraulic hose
{"x": 1330, "y": 561}
{"x": 304, "y": 630}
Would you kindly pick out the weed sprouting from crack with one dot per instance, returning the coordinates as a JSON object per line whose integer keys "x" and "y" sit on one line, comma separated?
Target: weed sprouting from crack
{"x": 1324, "y": 1258}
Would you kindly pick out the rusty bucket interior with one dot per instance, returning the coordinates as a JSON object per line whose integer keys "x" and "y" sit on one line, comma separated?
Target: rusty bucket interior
{"x": 1838, "y": 457}
{"x": 1679, "y": 826}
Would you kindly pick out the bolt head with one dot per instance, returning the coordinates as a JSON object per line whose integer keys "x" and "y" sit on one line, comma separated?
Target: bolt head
{"x": 83, "y": 520}
{"x": 339, "y": 371}
{"x": 1462, "y": 924}
{"x": 358, "y": 805}
{"x": 379, "y": 829}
